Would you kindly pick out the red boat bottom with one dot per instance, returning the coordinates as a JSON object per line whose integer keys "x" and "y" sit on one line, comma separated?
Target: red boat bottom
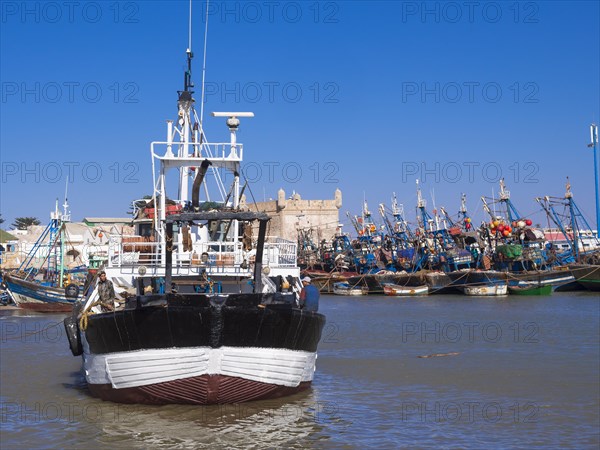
{"x": 200, "y": 390}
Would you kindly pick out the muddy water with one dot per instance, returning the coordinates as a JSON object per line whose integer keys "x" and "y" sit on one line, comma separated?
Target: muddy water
{"x": 438, "y": 371}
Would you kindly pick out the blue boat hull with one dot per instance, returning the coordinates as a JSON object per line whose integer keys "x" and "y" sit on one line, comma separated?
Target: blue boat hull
{"x": 35, "y": 297}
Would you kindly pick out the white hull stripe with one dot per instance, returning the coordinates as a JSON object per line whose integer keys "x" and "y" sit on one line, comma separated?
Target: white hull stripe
{"x": 548, "y": 280}
{"x": 140, "y": 368}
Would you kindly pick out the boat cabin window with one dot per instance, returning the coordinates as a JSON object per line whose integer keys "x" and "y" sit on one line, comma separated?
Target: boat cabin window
{"x": 145, "y": 229}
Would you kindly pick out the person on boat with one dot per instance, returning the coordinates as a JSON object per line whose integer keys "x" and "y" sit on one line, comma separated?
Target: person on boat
{"x": 205, "y": 285}
{"x": 106, "y": 292}
{"x": 309, "y": 296}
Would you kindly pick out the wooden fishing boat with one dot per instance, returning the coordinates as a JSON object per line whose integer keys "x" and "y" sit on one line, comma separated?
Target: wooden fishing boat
{"x": 324, "y": 281}
{"x": 343, "y": 288}
{"x": 545, "y": 289}
{"x": 491, "y": 289}
{"x": 211, "y": 317}
{"x": 37, "y": 297}
{"x": 397, "y": 290}
{"x": 49, "y": 286}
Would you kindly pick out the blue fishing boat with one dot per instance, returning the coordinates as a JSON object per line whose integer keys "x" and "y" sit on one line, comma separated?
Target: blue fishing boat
{"x": 49, "y": 286}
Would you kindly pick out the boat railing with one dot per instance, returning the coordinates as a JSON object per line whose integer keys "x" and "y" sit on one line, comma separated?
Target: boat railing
{"x": 208, "y": 150}
{"x": 220, "y": 256}
{"x": 280, "y": 252}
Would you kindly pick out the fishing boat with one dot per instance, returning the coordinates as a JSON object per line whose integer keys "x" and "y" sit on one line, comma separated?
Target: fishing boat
{"x": 491, "y": 289}
{"x": 588, "y": 275}
{"x": 555, "y": 277}
{"x": 397, "y": 290}
{"x": 211, "y": 312}
{"x": 343, "y": 288}
{"x": 43, "y": 282}
{"x": 324, "y": 281}
{"x": 583, "y": 244}
{"x": 530, "y": 290}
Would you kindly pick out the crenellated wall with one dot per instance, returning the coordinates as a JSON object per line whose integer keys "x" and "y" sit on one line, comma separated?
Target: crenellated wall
{"x": 293, "y": 213}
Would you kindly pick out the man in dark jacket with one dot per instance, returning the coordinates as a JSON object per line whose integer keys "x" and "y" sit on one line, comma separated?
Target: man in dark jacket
{"x": 309, "y": 296}
{"x": 106, "y": 292}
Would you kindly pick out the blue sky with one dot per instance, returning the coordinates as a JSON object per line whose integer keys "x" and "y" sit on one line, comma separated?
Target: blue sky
{"x": 364, "y": 96}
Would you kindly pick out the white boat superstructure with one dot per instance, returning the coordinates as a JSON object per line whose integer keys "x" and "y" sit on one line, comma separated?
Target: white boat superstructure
{"x": 224, "y": 249}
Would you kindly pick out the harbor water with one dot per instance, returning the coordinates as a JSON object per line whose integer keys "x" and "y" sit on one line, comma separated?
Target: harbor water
{"x": 429, "y": 372}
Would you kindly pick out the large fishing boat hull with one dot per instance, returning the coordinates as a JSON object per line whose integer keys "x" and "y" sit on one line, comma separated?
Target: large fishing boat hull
{"x": 198, "y": 349}
{"x": 588, "y": 275}
{"x": 199, "y": 375}
{"x": 553, "y": 278}
{"x": 440, "y": 283}
{"x": 35, "y": 297}
{"x": 462, "y": 279}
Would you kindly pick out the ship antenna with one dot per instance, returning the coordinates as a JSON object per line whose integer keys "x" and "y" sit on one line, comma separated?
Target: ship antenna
{"x": 203, "y": 66}
{"x": 190, "y": 28}
{"x": 187, "y": 81}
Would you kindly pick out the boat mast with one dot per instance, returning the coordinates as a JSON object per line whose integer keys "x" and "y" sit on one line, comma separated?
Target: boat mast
{"x": 422, "y": 214}
{"x": 511, "y": 212}
{"x": 185, "y": 103}
{"x": 63, "y": 220}
{"x": 574, "y": 230}
{"x": 466, "y": 220}
{"x": 594, "y": 145}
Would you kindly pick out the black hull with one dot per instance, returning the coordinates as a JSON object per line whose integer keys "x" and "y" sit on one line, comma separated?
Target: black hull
{"x": 476, "y": 277}
{"x": 555, "y": 278}
{"x": 182, "y": 321}
{"x": 440, "y": 283}
{"x": 198, "y": 349}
